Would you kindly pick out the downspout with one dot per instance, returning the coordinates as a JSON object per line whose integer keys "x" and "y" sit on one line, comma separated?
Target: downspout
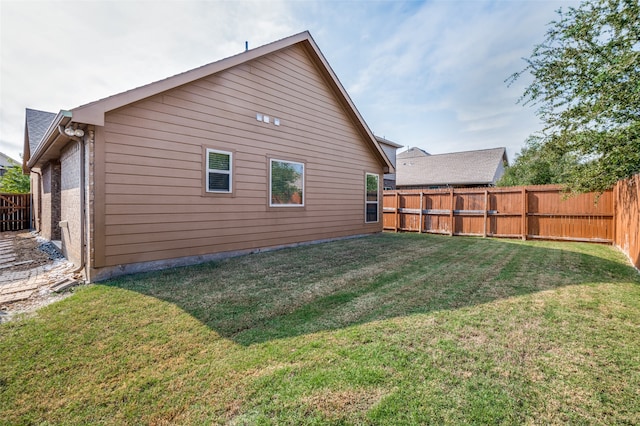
{"x": 37, "y": 226}
{"x": 82, "y": 196}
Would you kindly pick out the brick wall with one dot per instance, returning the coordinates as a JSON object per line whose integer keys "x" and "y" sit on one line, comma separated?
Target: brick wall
{"x": 50, "y": 208}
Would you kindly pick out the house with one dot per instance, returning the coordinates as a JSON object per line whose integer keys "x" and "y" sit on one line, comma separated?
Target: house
{"x": 411, "y": 153}
{"x": 260, "y": 150}
{"x": 5, "y": 163}
{"x": 416, "y": 169}
{"x": 389, "y": 148}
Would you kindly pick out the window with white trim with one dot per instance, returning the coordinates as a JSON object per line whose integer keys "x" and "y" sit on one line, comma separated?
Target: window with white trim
{"x": 286, "y": 183}
{"x": 219, "y": 171}
{"x": 371, "y": 205}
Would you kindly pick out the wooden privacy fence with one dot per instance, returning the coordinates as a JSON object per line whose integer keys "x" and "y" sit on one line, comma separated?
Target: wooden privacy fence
{"x": 15, "y": 212}
{"x": 535, "y": 212}
{"x": 627, "y": 228}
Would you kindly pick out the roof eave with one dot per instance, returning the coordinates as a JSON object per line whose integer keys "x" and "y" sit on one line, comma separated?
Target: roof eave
{"x": 388, "y": 142}
{"x": 350, "y": 106}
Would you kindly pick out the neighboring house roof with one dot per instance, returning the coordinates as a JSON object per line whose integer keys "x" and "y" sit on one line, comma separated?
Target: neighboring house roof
{"x": 6, "y": 161}
{"x": 412, "y": 153}
{"x": 480, "y": 167}
{"x": 94, "y": 112}
{"x": 36, "y": 125}
{"x": 380, "y": 139}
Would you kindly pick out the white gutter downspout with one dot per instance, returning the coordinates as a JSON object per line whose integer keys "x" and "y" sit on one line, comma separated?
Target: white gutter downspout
{"x": 82, "y": 197}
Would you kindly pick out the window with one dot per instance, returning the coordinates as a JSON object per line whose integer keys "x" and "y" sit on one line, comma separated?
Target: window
{"x": 286, "y": 183}
{"x": 371, "y": 198}
{"x": 219, "y": 167}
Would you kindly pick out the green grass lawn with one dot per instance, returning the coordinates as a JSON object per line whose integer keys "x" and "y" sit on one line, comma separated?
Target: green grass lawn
{"x": 389, "y": 329}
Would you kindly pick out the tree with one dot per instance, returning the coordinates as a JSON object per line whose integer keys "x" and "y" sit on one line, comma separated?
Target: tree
{"x": 586, "y": 85}
{"x": 536, "y": 164}
{"x": 14, "y": 182}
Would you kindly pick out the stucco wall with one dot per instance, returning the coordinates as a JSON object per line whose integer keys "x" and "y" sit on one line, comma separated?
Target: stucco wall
{"x": 70, "y": 202}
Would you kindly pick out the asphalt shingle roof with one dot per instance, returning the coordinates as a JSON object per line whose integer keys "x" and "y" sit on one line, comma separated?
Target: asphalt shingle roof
{"x": 412, "y": 153}
{"x": 6, "y": 161}
{"x": 458, "y": 168}
{"x": 37, "y": 124}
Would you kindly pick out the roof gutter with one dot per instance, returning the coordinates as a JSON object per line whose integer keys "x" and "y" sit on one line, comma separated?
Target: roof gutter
{"x": 50, "y": 136}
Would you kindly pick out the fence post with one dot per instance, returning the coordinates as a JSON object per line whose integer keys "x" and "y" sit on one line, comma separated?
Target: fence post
{"x": 486, "y": 210}
{"x": 396, "y": 224}
{"x": 420, "y": 226}
{"x": 451, "y": 212}
{"x": 614, "y": 209}
{"x": 524, "y": 213}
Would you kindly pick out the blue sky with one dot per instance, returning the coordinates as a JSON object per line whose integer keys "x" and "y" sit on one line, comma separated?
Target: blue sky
{"x": 422, "y": 73}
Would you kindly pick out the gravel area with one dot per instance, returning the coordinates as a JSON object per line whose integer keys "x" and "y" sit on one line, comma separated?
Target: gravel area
{"x": 31, "y": 259}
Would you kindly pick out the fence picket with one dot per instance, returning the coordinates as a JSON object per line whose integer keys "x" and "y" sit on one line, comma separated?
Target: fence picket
{"x": 15, "y": 212}
{"x": 536, "y": 212}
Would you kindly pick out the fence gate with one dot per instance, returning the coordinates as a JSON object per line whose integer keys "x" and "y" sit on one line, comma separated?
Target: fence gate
{"x": 15, "y": 212}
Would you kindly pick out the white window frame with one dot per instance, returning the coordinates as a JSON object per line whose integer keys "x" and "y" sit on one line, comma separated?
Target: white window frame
{"x": 228, "y": 172}
{"x": 367, "y": 202}
{"x": 271, "y": 160}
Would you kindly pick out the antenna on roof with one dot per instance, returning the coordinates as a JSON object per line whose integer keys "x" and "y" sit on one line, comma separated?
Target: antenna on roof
{"x": 246, "y": 46}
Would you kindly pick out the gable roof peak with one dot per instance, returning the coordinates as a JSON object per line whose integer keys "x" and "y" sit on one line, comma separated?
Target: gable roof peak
{"x": 36, "y": 124}
{"x": 93, "y": 112}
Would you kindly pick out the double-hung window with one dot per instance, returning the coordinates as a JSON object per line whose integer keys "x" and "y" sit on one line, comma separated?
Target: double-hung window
{"x": 219, "y": 171}
{"x": 371, "y": 205}
{"x": 286, "y": 183}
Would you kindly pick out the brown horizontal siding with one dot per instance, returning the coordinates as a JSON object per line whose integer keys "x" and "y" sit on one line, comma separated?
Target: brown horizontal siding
{"x": 120, "y": 222}
{"x": 139, "y": 225}
{"x": 267, "y": 227}
{"x": 248, "y": 197}
{"x": 192, "y": 248}
{"x": 238, "y": 83}
{"x": 219, "y": 206}
{"x": 223, "y": 137}
{"x": 155, "y": 207}
{"x": 153, "y": 115}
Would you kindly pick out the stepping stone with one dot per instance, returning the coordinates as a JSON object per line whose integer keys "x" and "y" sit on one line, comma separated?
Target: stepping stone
{"x": 15, "y": 297}
{"x": 24, "y": 262}
{"x": 63, "y": 285}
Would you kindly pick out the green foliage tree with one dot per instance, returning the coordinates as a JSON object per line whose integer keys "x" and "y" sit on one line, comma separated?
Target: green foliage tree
{"x": 536, "y": 164}
{"x": 14, "y": 182}
{"x": 586, "y": 85}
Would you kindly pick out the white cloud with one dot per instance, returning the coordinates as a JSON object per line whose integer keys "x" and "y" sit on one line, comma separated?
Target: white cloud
{"x": 427, "y": 74}
{"x": 58, "y": 54}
